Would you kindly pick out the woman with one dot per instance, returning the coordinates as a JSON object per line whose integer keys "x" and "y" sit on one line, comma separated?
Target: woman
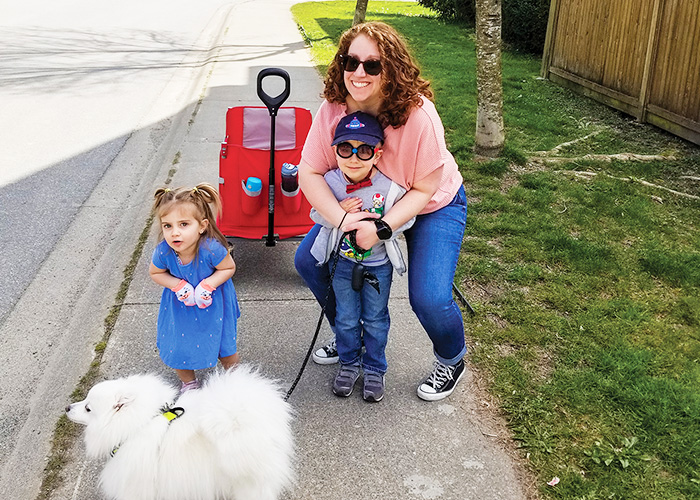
{"x": 373, "y": 72}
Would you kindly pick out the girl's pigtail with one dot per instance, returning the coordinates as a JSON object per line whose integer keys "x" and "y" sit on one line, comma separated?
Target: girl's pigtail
{"x": 210, "y": 202}
{"x": 211, "y": 196}
{"x": 161, "y": 196}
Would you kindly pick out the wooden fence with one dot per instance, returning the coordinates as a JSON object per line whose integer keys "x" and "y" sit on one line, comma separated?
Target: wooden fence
{"x": 639, "y": 56}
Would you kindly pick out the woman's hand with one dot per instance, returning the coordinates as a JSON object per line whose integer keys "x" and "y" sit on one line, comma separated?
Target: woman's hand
{"x": 319, "y": 195}
{"x": 366, "y": 236}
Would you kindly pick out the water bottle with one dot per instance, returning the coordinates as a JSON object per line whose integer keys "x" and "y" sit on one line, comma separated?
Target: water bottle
{"x": 252, "y": 186}
{"x": 291, "y": 195}
{"x": 290, "y": 182}
{"x": 251, "y": 199}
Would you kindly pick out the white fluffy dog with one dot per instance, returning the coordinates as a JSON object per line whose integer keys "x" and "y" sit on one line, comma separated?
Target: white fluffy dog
{"x": 233, "y": 440}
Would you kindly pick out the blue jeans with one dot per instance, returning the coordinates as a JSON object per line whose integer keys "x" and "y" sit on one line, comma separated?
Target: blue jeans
{"x": 434, "y": 243}
{"x": 366, "y": 305}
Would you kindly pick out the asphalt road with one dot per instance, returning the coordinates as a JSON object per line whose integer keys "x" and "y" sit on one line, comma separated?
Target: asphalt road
{"x": 76, "y": 80}
{"x": 94, "y": 98}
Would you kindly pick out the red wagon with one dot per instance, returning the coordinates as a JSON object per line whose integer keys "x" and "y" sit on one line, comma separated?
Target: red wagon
{"x": 257, "y": 168}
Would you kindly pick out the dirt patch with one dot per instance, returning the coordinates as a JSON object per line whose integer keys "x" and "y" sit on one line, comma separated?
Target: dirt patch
{"x": 497, "y": 320}
{"x": 508, "y": 181}
{"x": 484, "y": 293}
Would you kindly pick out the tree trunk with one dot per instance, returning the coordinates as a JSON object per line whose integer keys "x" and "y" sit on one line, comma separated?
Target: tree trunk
{"x": 360, "y": 11}
{"x": 490, "y": 134}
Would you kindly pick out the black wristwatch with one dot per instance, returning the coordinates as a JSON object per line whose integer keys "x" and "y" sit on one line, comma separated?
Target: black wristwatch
{"x": 384, "y": 231}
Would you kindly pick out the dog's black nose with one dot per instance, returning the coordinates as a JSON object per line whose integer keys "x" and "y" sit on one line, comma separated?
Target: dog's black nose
{"x": 67, "y": 408}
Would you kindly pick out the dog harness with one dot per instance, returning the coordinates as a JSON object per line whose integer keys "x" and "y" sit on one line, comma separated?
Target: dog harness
{"x": 173, "y": 413}
{"x": 169, "y": 413}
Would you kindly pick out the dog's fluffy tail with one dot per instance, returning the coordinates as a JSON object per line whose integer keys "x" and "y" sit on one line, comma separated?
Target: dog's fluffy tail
{"x": 244, "y": 414}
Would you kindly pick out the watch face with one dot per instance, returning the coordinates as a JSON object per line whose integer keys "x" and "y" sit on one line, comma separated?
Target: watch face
{"x": 384, "y": 232}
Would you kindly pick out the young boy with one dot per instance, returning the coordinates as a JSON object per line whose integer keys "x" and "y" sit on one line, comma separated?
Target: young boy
{"x": 362, "y": 276}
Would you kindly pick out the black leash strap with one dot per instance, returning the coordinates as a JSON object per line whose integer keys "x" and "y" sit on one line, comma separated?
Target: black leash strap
{"x": 320, "y": 318}
{"x": 463, "y": 299}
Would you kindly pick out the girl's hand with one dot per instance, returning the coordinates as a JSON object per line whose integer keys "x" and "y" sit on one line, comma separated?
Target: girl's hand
{"x": 203, "y": 294}
{"x": 351, "y": 205}
{"x": 185, "y": 293}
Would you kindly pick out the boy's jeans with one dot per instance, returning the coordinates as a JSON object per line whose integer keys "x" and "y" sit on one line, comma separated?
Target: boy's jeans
{"x": 368, "y": 305}
{"x": 434, "y": 243}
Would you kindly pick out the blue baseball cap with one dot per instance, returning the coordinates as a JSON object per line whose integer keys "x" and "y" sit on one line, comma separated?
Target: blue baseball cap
{"x": 359, "y": 126}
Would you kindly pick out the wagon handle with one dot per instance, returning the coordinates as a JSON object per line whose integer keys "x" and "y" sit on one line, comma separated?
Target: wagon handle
{"x": 273, "y": 103}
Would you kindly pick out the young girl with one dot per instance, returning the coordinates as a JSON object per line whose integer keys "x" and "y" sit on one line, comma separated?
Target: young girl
{"x": 197, "y": 320}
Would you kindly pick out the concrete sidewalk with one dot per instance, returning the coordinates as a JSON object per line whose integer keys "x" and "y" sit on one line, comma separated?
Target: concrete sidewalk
{"x": 401, "y": 448}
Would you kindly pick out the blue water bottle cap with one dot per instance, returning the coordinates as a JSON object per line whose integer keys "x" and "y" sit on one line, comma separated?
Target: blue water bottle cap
{"x": 253, "y": 184}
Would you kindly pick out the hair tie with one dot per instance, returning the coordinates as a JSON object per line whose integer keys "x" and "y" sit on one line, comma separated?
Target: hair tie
{"x": 166, "y": 190}
{"x": 195, "y": 190}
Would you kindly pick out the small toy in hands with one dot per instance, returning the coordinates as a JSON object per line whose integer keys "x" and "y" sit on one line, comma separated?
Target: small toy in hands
{"x": 202, "y": 294}
{"x": 185, "y": 293}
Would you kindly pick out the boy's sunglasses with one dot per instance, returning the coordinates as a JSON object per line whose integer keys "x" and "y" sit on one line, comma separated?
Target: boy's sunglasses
{"x": 349, "y": 63}
{"x": 364, "y": 151}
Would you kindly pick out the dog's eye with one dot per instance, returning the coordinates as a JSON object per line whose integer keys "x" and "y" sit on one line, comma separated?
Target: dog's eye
{"x": 87, "y": 408}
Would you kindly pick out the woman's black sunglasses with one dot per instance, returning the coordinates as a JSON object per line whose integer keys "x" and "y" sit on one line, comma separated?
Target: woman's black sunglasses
{"x": 364, "y": 151}
{"x": 349, "y": 63}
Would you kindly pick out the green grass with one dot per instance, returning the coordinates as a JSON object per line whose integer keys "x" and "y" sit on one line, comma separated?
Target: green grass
{"x": 586, "y": 288}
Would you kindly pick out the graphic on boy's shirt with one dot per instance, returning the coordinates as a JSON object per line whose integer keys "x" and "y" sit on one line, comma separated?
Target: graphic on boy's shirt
{"x": 346, "y": 247}
{"x": 377, "y": 204}
{"x": 349, "y": 251}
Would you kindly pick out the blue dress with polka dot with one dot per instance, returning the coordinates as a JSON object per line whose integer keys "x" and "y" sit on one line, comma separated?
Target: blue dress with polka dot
{"x": 190, "y": 338}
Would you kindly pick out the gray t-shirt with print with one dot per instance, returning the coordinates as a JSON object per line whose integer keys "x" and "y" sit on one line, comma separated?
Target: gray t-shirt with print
{"x": 373, "y": 199}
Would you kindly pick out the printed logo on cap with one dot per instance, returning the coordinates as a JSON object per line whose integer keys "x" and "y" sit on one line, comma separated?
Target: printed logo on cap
{"x": 355, "y": 124}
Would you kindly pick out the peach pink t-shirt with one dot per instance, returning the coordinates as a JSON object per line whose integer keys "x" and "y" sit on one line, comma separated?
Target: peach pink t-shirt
{"x": 411, "y": 152}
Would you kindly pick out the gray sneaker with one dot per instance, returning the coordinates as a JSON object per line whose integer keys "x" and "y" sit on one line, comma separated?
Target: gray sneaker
{"x": 344, "y": 382}
{"x": 373, "y": 390}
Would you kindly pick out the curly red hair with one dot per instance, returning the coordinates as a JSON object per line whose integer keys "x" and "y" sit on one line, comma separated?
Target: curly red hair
{"x": 402, "y": 86}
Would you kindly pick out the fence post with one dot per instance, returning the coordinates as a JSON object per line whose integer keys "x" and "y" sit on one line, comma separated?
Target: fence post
{"x": 549, "y": 38}
{"x": 649, "y": 60}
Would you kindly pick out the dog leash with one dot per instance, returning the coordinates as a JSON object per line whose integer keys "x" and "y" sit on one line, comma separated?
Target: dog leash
{"x": 320, "y": 318}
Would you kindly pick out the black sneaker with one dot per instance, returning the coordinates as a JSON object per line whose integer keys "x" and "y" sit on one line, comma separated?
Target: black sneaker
{"x": 326, "y": 355}
{"x": 441, "y": 382}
